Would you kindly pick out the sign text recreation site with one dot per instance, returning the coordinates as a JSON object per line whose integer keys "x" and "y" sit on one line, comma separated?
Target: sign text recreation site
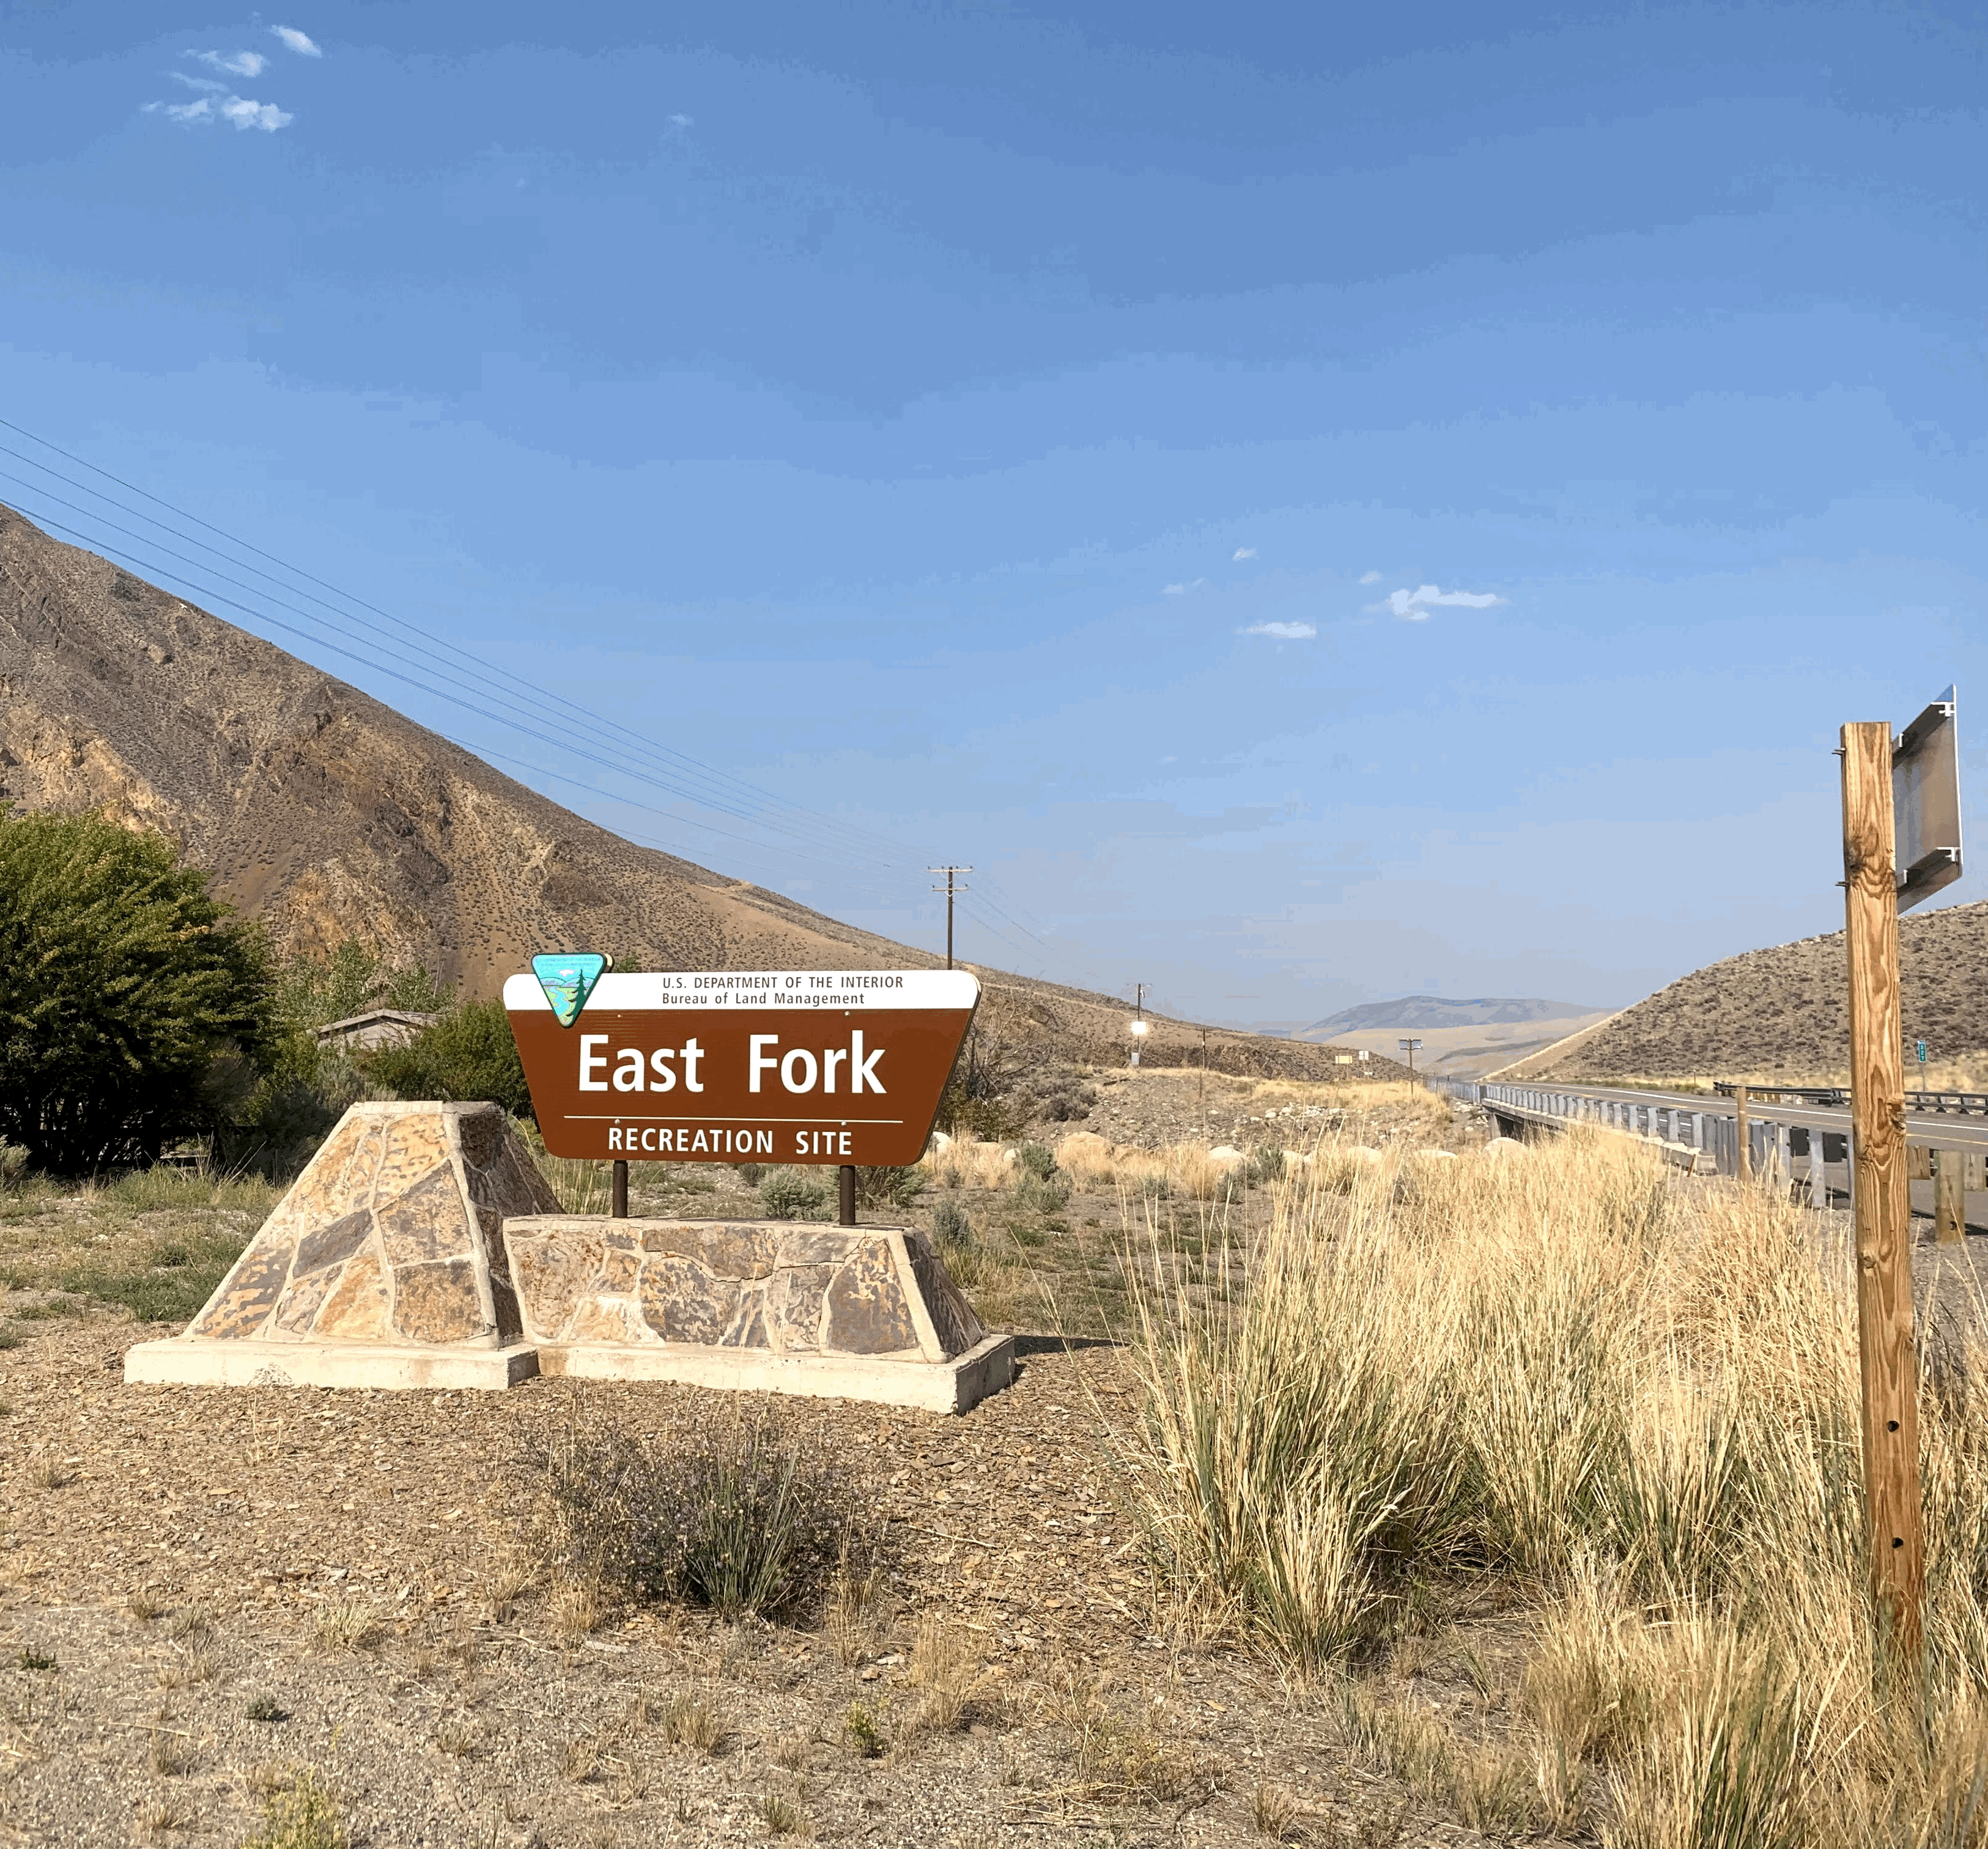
{"x": 784, "y": 1066}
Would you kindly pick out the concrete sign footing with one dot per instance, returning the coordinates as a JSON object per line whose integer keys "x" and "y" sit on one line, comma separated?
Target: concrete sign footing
{"x": 951, "y": 1386}
{"x": 180, "y": 1363}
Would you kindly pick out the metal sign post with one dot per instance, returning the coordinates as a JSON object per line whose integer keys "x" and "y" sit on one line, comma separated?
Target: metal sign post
{"x": 1900, "y": 843}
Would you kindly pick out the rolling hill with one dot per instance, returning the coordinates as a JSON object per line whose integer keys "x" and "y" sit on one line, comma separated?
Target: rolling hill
{"x": 329, "y": 815}
{"x": 1785, "y": 1012}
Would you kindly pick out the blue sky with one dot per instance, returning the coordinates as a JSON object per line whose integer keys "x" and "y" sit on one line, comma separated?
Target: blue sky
{"x": 1053, "y": 440}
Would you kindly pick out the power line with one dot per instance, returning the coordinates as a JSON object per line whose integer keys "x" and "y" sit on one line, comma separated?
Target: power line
{"x": 697, "y": 782}
{"x": 728, "y": 791}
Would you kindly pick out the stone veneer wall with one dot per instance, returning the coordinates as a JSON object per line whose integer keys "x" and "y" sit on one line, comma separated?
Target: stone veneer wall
{"x": 393, "y": 1233}
{"x": 769, "y": 1285}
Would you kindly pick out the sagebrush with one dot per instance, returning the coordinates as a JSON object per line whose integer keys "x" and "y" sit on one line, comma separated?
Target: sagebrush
{"x": 738, "y": 1508}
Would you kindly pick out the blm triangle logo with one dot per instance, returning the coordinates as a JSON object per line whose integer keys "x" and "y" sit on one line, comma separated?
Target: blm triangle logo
{"x": 568, "y": 980}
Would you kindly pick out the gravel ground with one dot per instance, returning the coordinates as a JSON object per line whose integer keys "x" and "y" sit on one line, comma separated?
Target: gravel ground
{"x": 171, "y": 1555}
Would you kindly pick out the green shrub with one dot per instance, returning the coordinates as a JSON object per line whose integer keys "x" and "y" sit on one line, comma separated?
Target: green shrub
{"x": 950, "y": 1225}
{"x": 467, "y": 1056}
{"x": 1041, "y": 1194}
{"x": 889, "y": 1186}
{"x": 789, "y": 1193}
{"x": 135, "y": 1010}
{"x": 1038, "y": 1159}
{"x": 1264, "y": 1167}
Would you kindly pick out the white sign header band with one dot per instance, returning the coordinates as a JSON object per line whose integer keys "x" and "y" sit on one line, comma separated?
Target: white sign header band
{"x": 772, "y": 991}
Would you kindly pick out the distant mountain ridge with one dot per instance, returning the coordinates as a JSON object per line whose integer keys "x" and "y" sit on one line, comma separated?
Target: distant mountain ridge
{"x": 1436, "y": 1011}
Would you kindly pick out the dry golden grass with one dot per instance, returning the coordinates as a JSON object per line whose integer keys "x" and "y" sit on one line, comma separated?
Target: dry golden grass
{"x": 344, "y": 1625}
{"x": 1274, "y": 1810}
{"x": 967, "y": 1162}
{"x": 687, "y": 1722}
{"x": 850, "y": 1617}
{"x": 1632, "y": 1397}
{"x": 945, "y": 1665}
{"x": 577, "y": 1609}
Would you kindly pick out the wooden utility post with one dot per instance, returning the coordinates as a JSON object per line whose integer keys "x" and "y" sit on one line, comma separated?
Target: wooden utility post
{"x": 1949, "y": 1196}
{"x": 1881, "y": 1202}
{"x": 1743, "y": 1161}
{"x": 953, "y": 887}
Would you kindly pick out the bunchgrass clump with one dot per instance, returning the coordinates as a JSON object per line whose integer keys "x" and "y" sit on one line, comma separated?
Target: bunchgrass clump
{"x": 1630, "y": 1400}
{"x": 738, "y": 1510}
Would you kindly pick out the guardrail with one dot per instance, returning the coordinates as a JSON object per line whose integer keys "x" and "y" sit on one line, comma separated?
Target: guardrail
{"x": 1800, "y": 1136}
{"x": 1959, "y": 1104}
{"x": 1700, "y": 1142}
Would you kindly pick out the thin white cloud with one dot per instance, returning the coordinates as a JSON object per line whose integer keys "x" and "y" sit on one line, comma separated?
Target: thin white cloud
{"x": 685, "y": 121}
{"x": 1284, "y": 632}
{"x": 1370, "y": 577}
{"x": 206, "y": 84}
{"x": 1414, "y": 605}
{"x": 1244, "y": 552}
{"x": 300, "y": 42}
{"x": 243, "y": 112}
{"x": 240, "y": 64}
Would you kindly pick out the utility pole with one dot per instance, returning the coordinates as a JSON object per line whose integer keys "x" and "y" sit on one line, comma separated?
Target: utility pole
{"x": 1410, "y": 1047}
{"x": 1200, "y": 1091}
{"x": 1139, "y": 1027}
{"x": 949, "y": 889}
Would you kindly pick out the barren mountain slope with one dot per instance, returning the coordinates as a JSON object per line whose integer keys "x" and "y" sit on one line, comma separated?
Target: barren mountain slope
{"x": 326, "y": 814}
{"x": 1786, "y": 1009}
{"x": 330, "y": 816}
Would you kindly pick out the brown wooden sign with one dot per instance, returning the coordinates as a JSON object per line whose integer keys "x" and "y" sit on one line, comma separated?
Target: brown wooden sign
{"x": 782, "y": 1066}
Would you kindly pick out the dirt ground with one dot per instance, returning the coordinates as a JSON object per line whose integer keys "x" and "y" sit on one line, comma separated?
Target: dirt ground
{"x": 207, "y": 1595}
